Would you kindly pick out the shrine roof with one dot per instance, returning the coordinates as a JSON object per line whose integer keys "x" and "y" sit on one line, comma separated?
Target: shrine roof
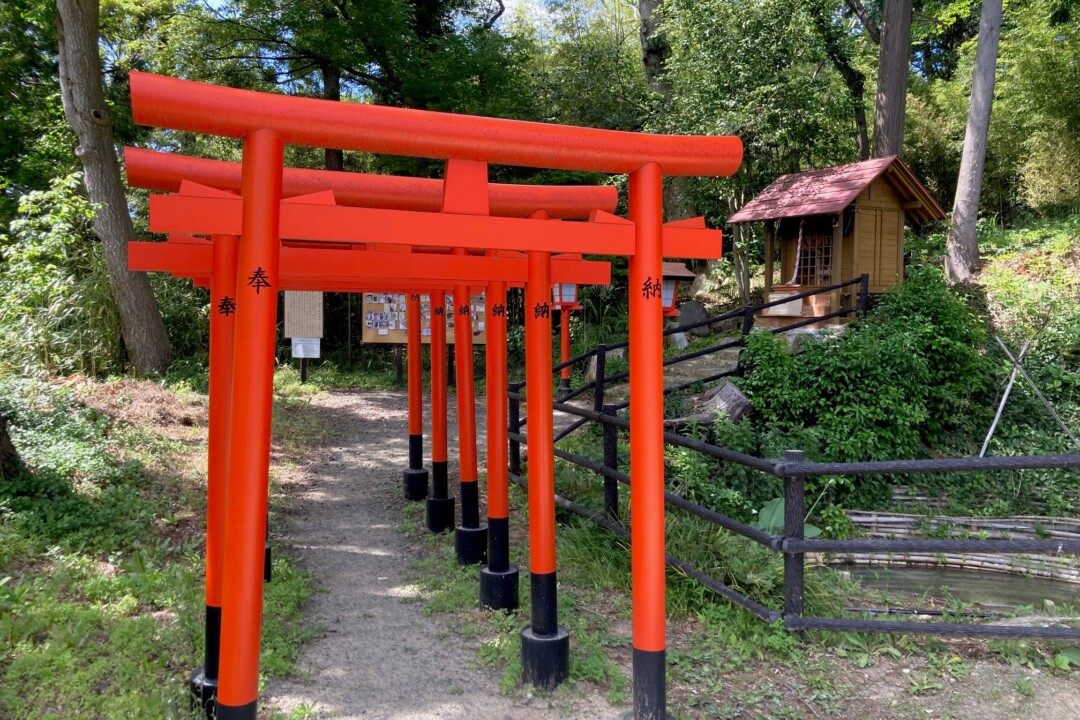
{"x": 830, "y": 190}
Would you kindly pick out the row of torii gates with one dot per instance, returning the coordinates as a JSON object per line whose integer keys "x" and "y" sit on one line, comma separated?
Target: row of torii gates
{"x": 252, "y": 229}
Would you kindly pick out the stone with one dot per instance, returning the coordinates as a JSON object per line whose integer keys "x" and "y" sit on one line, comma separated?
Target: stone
{"x": 678, "y": 341}
{"x": 590, "y": 365}
{"x": 726, "y": 399}
{"x": 800, "y": 336}
{"x": 692, "y": 312}
{"x": 727, "y": 327}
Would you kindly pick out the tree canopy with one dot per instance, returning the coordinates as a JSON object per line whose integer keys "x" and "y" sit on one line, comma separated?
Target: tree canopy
{"x": 795, "y": 79}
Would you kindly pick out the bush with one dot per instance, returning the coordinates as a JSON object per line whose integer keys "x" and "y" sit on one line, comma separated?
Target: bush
{"x": 729, "y": 488}
{"x": 863, "y": 395}
{"x": 57, "y": 313}
{"x": 952, "y": 341}
{"x": 886, "y": 388}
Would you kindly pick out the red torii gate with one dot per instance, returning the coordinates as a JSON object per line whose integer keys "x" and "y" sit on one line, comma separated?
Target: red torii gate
{"x": 266, "y": 122}
{"x": 154, "y": 170}
{"x": 366, "y": 270}
{"x": 208, "y": 262}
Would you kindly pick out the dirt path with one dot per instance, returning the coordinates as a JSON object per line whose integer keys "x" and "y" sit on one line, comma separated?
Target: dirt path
{"x": 376, "y": 656}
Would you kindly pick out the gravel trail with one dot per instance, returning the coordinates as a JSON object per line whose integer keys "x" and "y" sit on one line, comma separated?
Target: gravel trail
{"x": 377, "y": 656}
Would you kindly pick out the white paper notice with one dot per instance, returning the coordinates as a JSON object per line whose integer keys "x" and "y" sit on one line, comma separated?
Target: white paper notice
{"x": 305, "y": 347}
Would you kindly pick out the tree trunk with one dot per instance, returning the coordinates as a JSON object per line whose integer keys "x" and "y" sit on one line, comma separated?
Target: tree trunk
{"x": 740, "y": 256}
{"x": 83, "y": 97}
{"x": 894, "y": 58}
{"x": 853, "y": 78}
{"x": 962, "y": 249}
{"x": 10, "y": 465}
{"x": 655, "y": 50}
{"x": 331, "y": 76}
{"x": 867, "y": 21}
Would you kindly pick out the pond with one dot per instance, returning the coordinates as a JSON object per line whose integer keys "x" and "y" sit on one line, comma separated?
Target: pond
{"x": 987, "y": 589}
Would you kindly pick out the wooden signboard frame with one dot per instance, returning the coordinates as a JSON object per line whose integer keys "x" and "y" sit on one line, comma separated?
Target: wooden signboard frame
{"x": 384, "y": 318}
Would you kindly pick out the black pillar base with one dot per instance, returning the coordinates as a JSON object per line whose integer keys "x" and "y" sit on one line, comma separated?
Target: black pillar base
{"x": 545, "y": 660}
{"x": 203, "y": 693}
{"x": 268, "y": 563}
{"x": 650, "y": 688}
{"x": 470, "y": 544}
{"x": 237, "y": 712}
{"x": 564, "y": 386}
{"x": 499, "y": 590}
{"x": 416, "y": 484}
{"x": 440, "y": 514}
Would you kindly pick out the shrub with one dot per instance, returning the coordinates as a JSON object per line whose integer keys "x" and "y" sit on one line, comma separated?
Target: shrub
{"x": 862, "y": 394}
{"x": 728, "y": 488}
{"x": 57, "y": 312}
{"x": 950, "y": 338}
{"x": 882, "y": 390}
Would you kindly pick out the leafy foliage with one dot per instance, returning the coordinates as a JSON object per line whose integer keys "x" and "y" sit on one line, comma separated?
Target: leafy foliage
{"x": 57, "y": 313}
{"x": 951, "y": 339}
{"x": 884, "y": 389}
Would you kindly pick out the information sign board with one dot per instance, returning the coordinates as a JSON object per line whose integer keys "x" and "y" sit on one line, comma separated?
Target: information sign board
{"x": 303, "y": 314}
{"x": 307, "y": 348}
{"x": 384, "y": 316}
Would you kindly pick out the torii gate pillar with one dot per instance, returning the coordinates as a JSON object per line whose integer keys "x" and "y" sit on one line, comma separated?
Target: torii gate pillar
{"x": 416, "y": 477}
{"x": 647, "y": 560}
{"x": 545, "y": 645}
{"x": 498, "y": 579}
{"x": 204, "y": 681}
{"x": 440, "y": 506}
{"x": 465, "y": 192}
{"x": 252, "y": 406}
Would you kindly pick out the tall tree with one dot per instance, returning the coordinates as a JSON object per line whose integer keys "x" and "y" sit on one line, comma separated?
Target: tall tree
{"x": 962, "y": 247}
{"x": 83, "y": 96}
{"x": 894, "y": 59}
{"x": 835, "y": 40}
{"x": 655, "y": 50}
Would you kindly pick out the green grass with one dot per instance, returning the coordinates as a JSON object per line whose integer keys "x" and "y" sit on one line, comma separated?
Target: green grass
{"x": 450, "y": 589}
{"x": 101, "y": 587}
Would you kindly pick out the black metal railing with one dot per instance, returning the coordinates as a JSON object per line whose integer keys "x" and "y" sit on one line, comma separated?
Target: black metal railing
{"x": 792, "y": 469}
{"x": 602, "y": 379}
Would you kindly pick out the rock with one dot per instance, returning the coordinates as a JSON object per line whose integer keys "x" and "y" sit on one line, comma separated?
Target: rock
{"x": 728, "y": 400}
{"x": 697, "y": 418}
{"x": 678, "y": 340}
{"x": 692, "y": 312}
{"x": 727, "y": 327}
{"x": 700, "y": 283}
{"x": 800, "y": 336}
{"x": 590, "y": 365}
{"x": 712, "y": 392}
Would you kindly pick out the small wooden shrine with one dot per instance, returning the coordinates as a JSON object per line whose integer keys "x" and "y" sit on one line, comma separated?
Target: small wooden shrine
{"x": 834, "y": 225}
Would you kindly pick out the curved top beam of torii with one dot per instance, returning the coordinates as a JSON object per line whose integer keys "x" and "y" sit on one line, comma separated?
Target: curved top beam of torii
{"x": 154, "y": 170}
{"x": 197, "y": 107}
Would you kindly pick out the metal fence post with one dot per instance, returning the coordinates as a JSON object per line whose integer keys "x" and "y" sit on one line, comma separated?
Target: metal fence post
{"x": 747, "y": 321}
{"x": 864, "y": 293}
{"x": 600, "y": 379}
{"x": 794, "y": 520}
{"x": 514, "y": 417}
{"x": 611, "y": 461}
